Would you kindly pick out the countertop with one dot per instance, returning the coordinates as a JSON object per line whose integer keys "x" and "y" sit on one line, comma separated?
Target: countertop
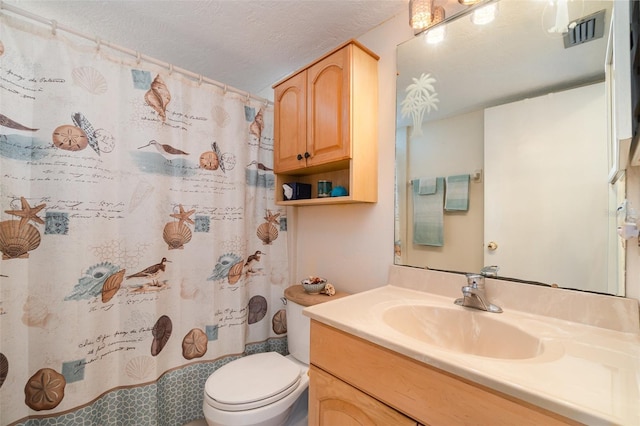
{"x": 586, "y": 373}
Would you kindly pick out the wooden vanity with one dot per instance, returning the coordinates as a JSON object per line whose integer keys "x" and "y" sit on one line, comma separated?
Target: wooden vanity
{"x": 355, "y": 382}
{"x": 370, "y": 366}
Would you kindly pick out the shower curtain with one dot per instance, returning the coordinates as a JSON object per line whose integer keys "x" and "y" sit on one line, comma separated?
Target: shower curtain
{"x": 141, "y": 245}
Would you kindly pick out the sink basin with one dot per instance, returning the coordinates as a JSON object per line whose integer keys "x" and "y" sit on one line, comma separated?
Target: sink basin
{"x": 463, "y": 330}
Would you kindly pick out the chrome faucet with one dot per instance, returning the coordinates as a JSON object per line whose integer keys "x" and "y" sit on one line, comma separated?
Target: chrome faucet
{"x": 474, "y": 295}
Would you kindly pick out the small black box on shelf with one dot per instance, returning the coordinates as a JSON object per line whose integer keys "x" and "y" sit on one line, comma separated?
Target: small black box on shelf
{"x": 296, "y": 191}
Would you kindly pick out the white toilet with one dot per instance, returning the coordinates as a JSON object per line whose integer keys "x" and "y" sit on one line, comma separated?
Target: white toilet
{"x": 265, "y": 389}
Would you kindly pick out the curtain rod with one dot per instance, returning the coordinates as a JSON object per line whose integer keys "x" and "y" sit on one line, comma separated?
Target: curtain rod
{"x": 99, "y": 42}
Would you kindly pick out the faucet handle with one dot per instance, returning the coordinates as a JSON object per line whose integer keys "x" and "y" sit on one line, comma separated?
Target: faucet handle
{"x": 490, "y": 271}
{"x": 475, "y": 280}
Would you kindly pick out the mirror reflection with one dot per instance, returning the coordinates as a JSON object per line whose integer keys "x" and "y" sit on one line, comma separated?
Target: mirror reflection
{"x": 502, "y": 146}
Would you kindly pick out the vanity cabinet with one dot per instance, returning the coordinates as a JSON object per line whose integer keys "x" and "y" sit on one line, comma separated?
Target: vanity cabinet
{"x": 325, "y": 126}
{"x": 343, "y": 365}
{"x": 334, "y": 402}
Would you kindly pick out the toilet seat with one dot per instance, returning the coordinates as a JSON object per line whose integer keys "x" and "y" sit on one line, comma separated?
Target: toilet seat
{"x": 252, "y": 382}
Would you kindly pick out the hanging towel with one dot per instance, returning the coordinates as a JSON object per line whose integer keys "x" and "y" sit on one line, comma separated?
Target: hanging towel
{"x": 457, "y": 194}
{"x": 427, "y": 186}
{"x": 428, "y": 215}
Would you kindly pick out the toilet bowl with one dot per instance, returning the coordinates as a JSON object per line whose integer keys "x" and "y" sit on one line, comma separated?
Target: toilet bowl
{"x": 259, "y": 389}
{"x": 262, "y": 389}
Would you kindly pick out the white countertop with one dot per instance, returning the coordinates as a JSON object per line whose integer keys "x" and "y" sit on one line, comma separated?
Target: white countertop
{"x": 587, "y": 373}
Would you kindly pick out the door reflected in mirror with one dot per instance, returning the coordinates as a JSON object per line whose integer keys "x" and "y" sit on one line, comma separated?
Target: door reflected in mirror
{"x": 513, "y": 117}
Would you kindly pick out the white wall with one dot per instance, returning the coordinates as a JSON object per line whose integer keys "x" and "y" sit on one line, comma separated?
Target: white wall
{"x": 352, "y": 245}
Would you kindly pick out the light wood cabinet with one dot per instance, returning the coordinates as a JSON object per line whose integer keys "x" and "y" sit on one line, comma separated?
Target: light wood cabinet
{"x": 290, "y": 116}
{"x": 325, "y": 126}
{"x": 426, "y": 394}
{"x": 333, "y": 402}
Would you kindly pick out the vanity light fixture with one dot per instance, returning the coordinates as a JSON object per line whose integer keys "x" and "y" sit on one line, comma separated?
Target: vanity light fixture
{"x": 436, "y": 35}
{"x": 485, "y": 14}
{"x": 419, "y": 22}
{"x": 420, "y": 14}
{"x": 424, "y": 15}
{"x": 438, "y": 15}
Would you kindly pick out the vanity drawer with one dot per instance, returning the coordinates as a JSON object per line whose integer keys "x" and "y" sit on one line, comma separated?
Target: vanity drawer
{"x": 421, "y": 392}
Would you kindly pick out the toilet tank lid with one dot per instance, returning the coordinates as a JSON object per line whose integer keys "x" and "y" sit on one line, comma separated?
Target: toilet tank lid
{"x": 296, "y": 294}
{"x": 252, "y": 378}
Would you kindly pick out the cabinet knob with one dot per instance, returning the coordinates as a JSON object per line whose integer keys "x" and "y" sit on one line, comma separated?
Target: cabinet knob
{"x": 299, "y": 157}
{"x": 307, "y": 155}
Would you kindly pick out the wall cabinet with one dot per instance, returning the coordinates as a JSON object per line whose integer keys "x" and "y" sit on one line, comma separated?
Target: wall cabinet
{"x": 325, "y": 126}
{"x": 343, "y": 365}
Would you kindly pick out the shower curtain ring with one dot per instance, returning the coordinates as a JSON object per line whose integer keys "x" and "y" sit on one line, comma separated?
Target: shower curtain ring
{"x": 98, "y": 43}
{"x": 248, "y": 98}
{"x": 224, "y": 90}
{"x": 170, "y": 69}
{"x": 138, "y": 58}
{"x": 54, "y": 26}
{"x": 200, "y": 80}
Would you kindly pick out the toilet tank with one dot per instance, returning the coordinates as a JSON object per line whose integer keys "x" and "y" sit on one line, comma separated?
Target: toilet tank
{"x": 298, "y": 332}
{"x": 298, "y": 325}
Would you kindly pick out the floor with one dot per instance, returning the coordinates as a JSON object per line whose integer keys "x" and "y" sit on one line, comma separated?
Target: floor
{"x": 200, "y": 422}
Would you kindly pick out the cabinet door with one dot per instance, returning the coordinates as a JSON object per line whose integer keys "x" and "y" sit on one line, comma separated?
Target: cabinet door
{"x": 333, "y": 402}
{"x": 328, "y": 108}
{"x": 290, "y": 124}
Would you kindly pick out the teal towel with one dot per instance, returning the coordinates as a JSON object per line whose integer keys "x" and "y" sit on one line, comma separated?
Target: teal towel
{"x": 428, "y": 215}
{"x": 427, "y": 186}
{"x": 457, "y": 196}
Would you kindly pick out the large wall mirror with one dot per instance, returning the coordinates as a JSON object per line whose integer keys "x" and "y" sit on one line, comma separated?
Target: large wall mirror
{"x": 502, "y": 153}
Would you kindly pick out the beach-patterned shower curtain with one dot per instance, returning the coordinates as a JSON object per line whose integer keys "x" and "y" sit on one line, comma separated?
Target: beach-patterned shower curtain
{"x": 141, "y": 245}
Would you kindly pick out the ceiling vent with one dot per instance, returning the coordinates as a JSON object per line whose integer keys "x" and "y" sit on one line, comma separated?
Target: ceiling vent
{"x": 585, "y": 29}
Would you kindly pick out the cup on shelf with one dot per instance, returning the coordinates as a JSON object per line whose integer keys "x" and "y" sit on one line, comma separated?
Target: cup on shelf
{"x": 324, "y": 188}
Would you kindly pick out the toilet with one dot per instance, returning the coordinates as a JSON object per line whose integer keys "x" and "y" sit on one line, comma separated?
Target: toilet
{"x": 266, "y": 389}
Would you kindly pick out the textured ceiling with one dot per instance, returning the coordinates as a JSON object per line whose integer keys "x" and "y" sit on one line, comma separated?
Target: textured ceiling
{"x": 247, "y": 44}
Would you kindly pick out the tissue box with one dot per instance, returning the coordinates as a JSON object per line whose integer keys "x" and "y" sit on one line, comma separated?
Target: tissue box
{"x": 296, "y": 191}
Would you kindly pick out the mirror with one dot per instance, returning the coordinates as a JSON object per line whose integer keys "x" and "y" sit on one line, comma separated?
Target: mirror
{"x": 517, "y": 126}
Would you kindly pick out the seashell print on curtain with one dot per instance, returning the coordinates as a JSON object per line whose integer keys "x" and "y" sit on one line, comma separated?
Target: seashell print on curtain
{"x": 141, "y": 244}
